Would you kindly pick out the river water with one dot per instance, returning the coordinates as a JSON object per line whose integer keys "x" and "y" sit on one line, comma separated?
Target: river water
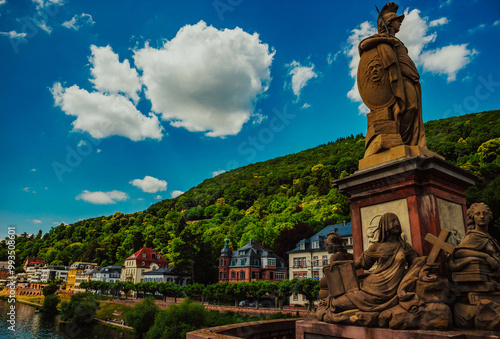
{"x": 31, "y": 325}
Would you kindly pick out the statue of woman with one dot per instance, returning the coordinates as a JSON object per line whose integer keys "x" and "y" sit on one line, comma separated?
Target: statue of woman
{"x": 388, "y": 80}
{"x": 378, "y": 291}
{"x": 477, "y": 245}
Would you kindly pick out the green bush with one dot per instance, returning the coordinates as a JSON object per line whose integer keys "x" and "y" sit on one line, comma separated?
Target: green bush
{"x": 80, "y": 309}
{"x": 50, "y": 304}
{"x": 177, "y": 320}
{"x": 142, "y": 316}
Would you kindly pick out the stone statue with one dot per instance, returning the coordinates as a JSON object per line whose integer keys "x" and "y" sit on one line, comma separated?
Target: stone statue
{"x": 334, "y": 246}
{"x": 402, "y": 292}
{"x": 477, "y": 246}
{"x": 475, "y": 267}
{"x": 388, "y": 83}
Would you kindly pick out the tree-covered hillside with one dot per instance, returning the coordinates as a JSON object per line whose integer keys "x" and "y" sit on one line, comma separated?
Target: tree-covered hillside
{"x": 276, "y": 202}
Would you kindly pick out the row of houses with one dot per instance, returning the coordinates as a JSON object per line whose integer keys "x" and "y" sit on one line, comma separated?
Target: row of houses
{"x": 253, "y": 261}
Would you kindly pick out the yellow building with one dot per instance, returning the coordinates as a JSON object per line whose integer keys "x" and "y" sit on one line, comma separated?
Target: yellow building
{"x": 144, "y": 260}
{"x": 76, "y": 268}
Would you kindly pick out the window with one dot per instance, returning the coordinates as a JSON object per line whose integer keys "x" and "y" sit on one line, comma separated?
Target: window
{"x": 143, "y": 263}
{"x": 280, "y": 276}
{"x": 242, "y": 275}
{"x": 271, "y": 262}
{"x": 295, "y": 297}
{"x": 349, "y": 241}
{"x": 242, "y": 262}
{"x": 233, "y": 263}
{"x": 302, "y": 246}
{"x": 315, "y": 244}
{"x": 222, "y": 262}
{"x": 325, "y": 260}
{"x": 144, "y": 255}
{"x": 295, "y": 275}
{"x": 221, "y": 275}
{"x": 153, "y": 255}
{"x": 315, "y": 275}
{"x": 256, "y": 262}
{"x": 304, "y": 298}
{"x": 295, "y": 262}
{"x": 232, "y": 275}
{"x": 271, "y": 276}
{"x": 316, "y": 262}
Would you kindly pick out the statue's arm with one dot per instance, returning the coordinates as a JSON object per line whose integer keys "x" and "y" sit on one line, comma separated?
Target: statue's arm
{"x": 366, "y": 260}
{"x": 373, "y": 42}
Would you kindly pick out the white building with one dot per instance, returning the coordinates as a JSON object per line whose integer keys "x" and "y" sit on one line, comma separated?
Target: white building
{"x": 53, "y": 273}
{"x": 109, "y": 274}
{"x": 166, "y": 275}
{"x": 310, "y": 255}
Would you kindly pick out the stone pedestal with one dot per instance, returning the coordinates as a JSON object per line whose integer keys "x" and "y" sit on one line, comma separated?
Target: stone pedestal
{"x": 314, "y": 329}
{"x": 426, "y": 192}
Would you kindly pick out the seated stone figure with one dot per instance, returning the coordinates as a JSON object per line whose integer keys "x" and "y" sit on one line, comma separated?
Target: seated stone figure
{"x": 378, "y": 291}
{"x": 478, "y": 248}
{"x": 334, "y": 246}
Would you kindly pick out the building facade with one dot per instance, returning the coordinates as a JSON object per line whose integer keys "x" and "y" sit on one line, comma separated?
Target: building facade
{"x": 142, "y": 261}
{"x": 77, "y": 267}
{"x": 109, "y": 274}
{"x": 167, "y": 275}
{"x": 33, "y": 262}
{"x": 250, "y": 262}
{"x": 53, "y": 273}
{"x": 306, "y": 261}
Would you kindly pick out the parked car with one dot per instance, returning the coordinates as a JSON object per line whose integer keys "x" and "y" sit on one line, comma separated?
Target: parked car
{"x": 246, "y": 303}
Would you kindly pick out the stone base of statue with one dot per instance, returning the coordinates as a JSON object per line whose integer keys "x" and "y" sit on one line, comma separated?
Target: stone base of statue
{"x": 392, "y": 153}
{"x": 426, "y": 192}
{"x": 309, "y": 329}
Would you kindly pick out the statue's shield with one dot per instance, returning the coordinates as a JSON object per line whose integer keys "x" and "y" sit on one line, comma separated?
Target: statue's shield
{"x": 373, "y": 81}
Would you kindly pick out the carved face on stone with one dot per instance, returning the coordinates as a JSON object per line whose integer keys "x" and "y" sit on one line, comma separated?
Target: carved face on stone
{"x": 480, "y": 215}
{"x": 375, "y": 71}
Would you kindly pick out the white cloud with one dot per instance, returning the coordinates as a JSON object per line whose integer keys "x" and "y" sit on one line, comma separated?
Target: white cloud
{"x": 477, "y": 28}
{"x": 14, "y": 35}
{"x": 98, "y": 150}
{"x": 81, "y": 143}
{"x": 78, "y": 21}
{"x": 306, "y": 105}
{"x": 300, "y": 76}
{"x": 158, "y": 197}
{"x": 3, "y": 2}
{"x": 29, "y": 190}
{"x": 43, "y": 25}
{"x": 103, "y": 115}
{"x": 445, "y": 3}
{"x": 36, "y": 221}
{"x": 415, "y": 35}
{"x": 447, "y": 60}
{"x": 176, "y": 193}
{"x": 33, "y": 170}
{"x": 111, "y": 75}
{"x": 496, "y": 23}
{"x": 140, "y": 199}
{"x": 44, "y": 3}
{"x": 102, "y": 198}
{"x": 216, "y": 173}
{"x": 438, "y": 22}
{"x": 206, "y": 80}
{"x": 150, "y": 184}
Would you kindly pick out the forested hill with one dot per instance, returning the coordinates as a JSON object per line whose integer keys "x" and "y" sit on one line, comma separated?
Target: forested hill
{"x": 275, "y": 202}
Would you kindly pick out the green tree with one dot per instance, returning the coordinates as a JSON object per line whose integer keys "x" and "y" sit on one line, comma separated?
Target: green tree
{"x": 284, "y": 290}
{"x": 51, "y": 288}
{"x": 258, "y": 289}
{"x": 142, "y": 316}
{"x": 50, "y": 304}
{"x": 81, "y": 309}
{"x": 177, "y": 320}
{"x": 308, "y": 288}
{"x": 194, "y": 290}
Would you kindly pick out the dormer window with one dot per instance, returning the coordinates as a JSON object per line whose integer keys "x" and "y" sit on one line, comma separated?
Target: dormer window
{"x": 302, "y": 246}
{"x": 144, "y": 255}
{"x": 315, "y": 244}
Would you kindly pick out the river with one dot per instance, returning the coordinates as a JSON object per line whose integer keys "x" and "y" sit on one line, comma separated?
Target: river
{"x": 37, "y": 325}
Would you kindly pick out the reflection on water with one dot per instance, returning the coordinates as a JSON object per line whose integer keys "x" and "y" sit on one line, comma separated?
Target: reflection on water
{"x": 38, "y": 325}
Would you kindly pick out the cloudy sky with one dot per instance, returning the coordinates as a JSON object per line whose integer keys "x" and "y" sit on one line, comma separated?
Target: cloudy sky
{"x": 111, "y": 106}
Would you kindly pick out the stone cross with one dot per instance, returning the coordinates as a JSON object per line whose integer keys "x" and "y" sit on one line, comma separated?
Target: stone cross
{"x": 439, "y": 243}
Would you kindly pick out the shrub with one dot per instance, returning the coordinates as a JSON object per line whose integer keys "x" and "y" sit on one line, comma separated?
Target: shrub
{"x": 50, "y": 304}
{"x": 80, "y": 309}
{"x": 142, "y": 316}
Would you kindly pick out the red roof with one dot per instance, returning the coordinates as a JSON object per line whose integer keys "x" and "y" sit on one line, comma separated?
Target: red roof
{"x": 35, "y": 260}
{"x": 148, "y": 256}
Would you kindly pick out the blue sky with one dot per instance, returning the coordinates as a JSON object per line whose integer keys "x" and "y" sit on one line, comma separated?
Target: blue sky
{"x": 110, "y": 106}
